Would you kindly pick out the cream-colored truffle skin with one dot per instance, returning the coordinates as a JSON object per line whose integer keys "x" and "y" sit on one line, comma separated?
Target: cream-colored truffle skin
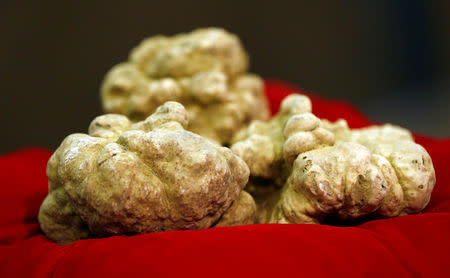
{"x": 269, "y": 148}
{"x": 205, "y": 70}
{"x": 125, "y": 179}
{"x": 241, "y": 212}
{"x": 187, "y": 54}
{"x": 128, "y": 91}
{"x": 377, "y": 170}
{"x": 411, "y": 164}
{"x": 340, "y": 179}
{"x": 327, "y": 169}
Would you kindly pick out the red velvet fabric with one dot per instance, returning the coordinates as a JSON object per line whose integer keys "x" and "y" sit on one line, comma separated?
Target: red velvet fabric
{"x": 408, "y": 246}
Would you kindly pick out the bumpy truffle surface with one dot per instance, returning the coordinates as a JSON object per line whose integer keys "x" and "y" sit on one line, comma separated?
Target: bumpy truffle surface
{"x": 342, "y": 173}
{"x": 269, "y": 148}
{"x": 410, "y": 162}
{"x": 205, "y": 70}
{"x": 124, "y": 179}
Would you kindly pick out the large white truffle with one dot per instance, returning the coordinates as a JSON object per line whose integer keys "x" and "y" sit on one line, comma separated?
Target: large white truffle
{"x": 205, "y": 70}
{"x": 124, "y": 179}
{"x": 326, "y": 169}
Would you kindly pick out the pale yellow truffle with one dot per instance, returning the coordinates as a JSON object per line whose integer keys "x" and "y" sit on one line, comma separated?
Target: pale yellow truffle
{"x": 349, "y": 180}
{"x": 124, "y": 179}
{"x": 410, "y": 161}
{"x": 341, "y": 179}
{"x": 377, "y": 170}
{"x": 205, "y": 70}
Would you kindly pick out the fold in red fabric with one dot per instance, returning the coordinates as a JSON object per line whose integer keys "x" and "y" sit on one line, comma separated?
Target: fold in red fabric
{"x": 407, "y": 246}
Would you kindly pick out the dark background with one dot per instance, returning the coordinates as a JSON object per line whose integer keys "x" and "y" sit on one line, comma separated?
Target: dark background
{"x": 391, "y": 59}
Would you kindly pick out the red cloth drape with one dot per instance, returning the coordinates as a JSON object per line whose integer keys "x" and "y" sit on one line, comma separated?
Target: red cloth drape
{"x": 416, "y": 245}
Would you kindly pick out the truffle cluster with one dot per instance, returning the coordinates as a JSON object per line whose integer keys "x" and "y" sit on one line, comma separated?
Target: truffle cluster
{"x": 205, "y": 70}
{"x": 328, "y": 170}
{"x": 124, "y": 178}
{"x": 157, "y": 162}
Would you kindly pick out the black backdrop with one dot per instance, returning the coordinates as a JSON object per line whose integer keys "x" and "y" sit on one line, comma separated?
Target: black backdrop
{"x": 388, "y": 58}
